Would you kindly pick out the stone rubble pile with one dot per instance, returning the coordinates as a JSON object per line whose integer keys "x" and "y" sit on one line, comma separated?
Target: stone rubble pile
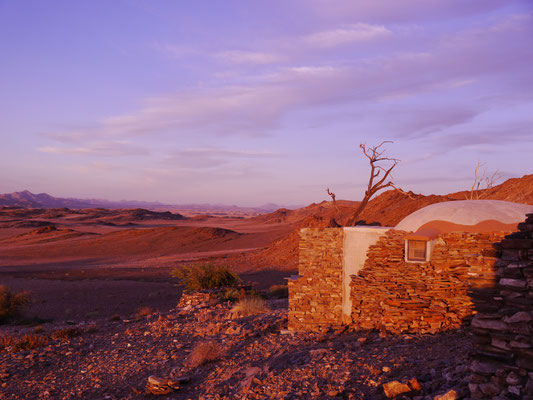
{"x": 194, "y": 299}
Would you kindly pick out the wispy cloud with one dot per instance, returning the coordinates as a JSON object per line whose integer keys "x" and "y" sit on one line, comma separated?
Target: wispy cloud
{"x": 254, "y": 105}
{"x": 112, "y": 148}
{"x": 355, "y": 33}
{"x": 405, "y": 10}
{"x": 492, "y": 136}
{"x": 212, "y": 157}
{"x": 249, "y": 57}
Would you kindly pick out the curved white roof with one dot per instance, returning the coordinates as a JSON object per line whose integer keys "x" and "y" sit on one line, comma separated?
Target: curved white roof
{"x": 466, "y": 212}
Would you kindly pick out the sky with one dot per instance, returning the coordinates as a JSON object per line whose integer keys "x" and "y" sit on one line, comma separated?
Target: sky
{"x": 251, "y": 102}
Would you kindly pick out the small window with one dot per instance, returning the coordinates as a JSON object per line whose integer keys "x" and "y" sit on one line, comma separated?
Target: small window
{"x": 416, "y": 250}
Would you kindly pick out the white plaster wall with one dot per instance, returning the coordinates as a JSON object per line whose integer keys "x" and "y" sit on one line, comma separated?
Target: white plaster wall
{"x": 357, "y": 240}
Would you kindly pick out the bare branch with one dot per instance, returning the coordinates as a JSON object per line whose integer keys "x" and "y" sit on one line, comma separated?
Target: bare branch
{"x": 332, "y": 196}
{"x": 399, "y": 190}
{"x": 483, "y": 182}
{"x": 375, "y": 155}
{"x": 333, "y": 221}
{"x": 476, "y": 182}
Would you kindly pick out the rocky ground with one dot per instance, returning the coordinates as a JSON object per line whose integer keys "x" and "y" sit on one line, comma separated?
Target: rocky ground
{"x": 251, "y": 357}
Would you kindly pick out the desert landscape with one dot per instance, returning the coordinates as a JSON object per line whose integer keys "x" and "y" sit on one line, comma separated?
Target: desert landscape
{"x": 102, "y": 296}
{"x": 297, "y": 199}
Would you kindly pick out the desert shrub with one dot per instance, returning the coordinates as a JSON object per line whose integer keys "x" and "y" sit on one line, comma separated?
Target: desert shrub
{"x": 249, "y": 306}
{"x": 205, "y": 352}
{"x": 143, "y": 312}
{"x": 114, "y": 318}
{"x": 205, "y": 276}
{"x": 38, "y": 329}
{"x": 92, "y": 314}
{"x": 11, "y": 303}
{"x": 66, "y": 333}
{"x": 230, "y": 294}
{"x": 26, "y": 342}
{"x": 30, "y": 342}
{"x": 279, "y": 291}
{"x": 92, "y": 328}
{"x": 6, "y": 341}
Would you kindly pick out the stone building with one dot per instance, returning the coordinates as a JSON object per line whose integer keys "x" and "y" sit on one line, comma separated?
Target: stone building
{"x": 430, "y": 273}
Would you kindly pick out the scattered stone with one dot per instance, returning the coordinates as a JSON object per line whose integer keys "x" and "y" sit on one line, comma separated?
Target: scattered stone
{"x": 395, "y": 388}
{"x": 161, "y": 386}
{"x": 449, "y": 395}
{"x": 296, "y": 365}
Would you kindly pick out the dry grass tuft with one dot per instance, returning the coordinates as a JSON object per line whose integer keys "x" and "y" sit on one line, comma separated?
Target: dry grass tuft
{"x": 249, "y": 306}
{"x": 38, "y": 329}
{"x": 143, "y": 312}
{"x": 66, "y": 333}
{"x": 11, "y": 303}
{"x": 26, "y": 342}
{"x": 115, "y": 317}
{"x": 204, "y": 353}
{"x": 279, "y": 291}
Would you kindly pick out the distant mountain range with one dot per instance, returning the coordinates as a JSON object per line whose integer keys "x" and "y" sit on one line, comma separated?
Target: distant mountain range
{"x": 26, "y": 199}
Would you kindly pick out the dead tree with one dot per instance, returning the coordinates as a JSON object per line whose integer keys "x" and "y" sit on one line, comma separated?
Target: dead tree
{"x": 483, "y": 182}
{"x": 477, "y": 182}
{"x": 333, "y": 222}
{"x": 380, "y": 175}
{"x": 332, "y": 195}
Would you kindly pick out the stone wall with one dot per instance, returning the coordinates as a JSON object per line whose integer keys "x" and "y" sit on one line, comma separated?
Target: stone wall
{"x": 315, "y": 298}
{"x": 396, "y": 296}
{"x": 502, "y": 362}
{"x": 388, "y": 293}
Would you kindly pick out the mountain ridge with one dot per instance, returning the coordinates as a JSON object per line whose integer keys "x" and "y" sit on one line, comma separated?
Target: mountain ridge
{"x": 27, "y": 199}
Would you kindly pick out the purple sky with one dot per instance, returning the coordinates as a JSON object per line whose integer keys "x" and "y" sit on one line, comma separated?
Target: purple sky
{"x": 246, "y": 102}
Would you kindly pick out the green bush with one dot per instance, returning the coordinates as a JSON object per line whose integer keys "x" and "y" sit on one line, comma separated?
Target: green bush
{"x": 11, "y": 303}
{"x": 205, "y": 276}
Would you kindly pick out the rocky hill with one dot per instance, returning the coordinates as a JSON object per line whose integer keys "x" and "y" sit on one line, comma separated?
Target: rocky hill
{"x": 387, "y": 209}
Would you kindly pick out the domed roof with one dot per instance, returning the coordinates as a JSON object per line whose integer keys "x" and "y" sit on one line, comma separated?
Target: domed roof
{"x": 467, "y": 212}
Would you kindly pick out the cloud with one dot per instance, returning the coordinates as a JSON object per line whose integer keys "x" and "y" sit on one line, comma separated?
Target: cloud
{"x": 416, "y": 122}
{"x": 249, "y": 57}
{"x": 405, "y": 10}
{"x": 254, "y": 105}
{"x": 96, "y": 167}
{"x": 212, "y": 157}
{"x": 355, "y": 33}
{"x": 112, "y": 148}
{"x": 481, "y": 137}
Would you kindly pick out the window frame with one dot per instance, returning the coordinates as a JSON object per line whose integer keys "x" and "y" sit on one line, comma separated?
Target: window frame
{"x": 408, "y": 252}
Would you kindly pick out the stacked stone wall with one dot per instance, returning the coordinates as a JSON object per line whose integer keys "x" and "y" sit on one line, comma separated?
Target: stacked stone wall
{"x": 397, "y": 296}
{"x": 315, "y": 298}
{"x": 502, "y": 362}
